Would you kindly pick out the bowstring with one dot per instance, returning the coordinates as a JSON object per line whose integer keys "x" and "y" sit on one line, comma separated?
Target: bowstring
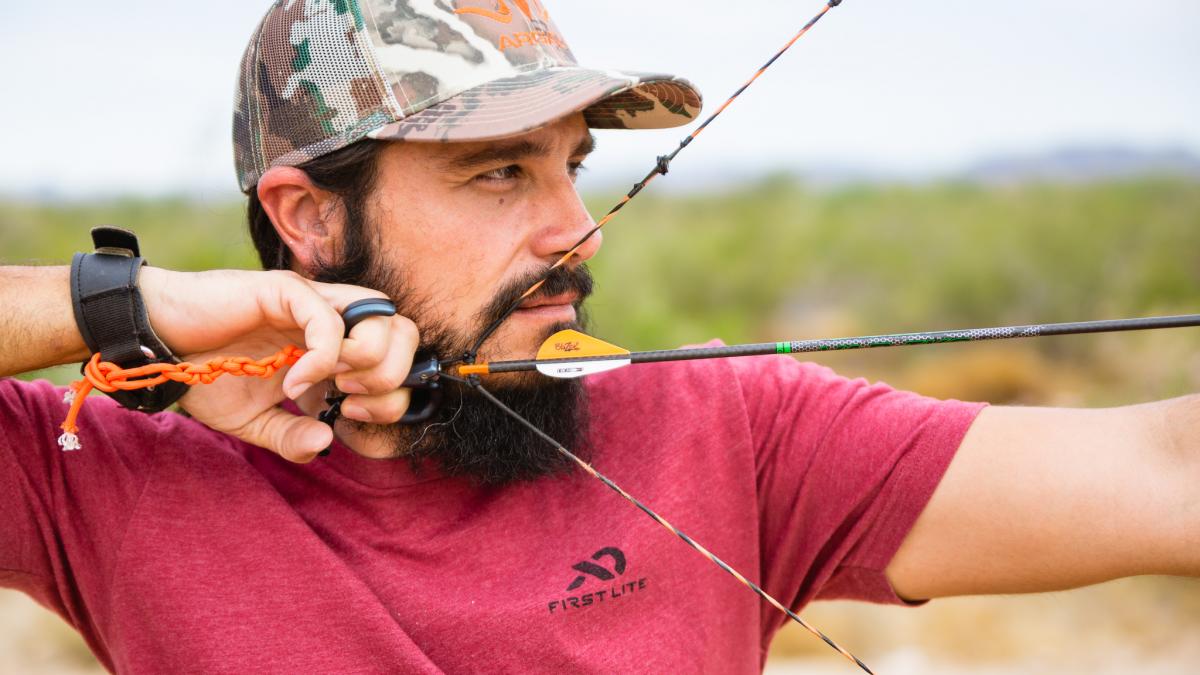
{"x": 473, "y": 382}
{"x": 661, "y": 166}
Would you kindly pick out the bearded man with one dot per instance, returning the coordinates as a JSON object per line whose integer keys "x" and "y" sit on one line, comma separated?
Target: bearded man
{"x": 426, "y": 152}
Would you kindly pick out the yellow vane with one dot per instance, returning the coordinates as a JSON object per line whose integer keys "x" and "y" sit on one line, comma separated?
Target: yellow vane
{"x": 565, "y": 344}
{"x": 571, "y": 344}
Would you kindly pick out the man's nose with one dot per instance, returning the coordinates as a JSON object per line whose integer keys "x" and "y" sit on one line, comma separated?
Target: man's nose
{"x": 565, "y": 222}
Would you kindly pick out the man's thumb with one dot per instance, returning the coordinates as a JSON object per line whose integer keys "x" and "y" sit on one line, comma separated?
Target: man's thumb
{"x": 296, "y": 438}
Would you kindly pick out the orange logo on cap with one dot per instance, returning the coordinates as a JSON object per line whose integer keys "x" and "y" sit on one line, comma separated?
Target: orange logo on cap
{"x": 503, "y": 14}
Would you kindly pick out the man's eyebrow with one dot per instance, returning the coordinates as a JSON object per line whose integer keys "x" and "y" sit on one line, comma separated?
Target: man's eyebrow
{"x": 507, "y": 153}
{"x": 586, "y": 147}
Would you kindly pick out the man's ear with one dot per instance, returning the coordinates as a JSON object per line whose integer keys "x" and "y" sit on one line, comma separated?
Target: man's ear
{"x": 305, "y": 217}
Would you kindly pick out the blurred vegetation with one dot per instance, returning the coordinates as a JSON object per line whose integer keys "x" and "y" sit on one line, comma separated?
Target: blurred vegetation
{"x": 896, "y": 257}
{"x": 684, "y": 268}
{"x": 174, "y": 232}
{"x": 779, "y": 260}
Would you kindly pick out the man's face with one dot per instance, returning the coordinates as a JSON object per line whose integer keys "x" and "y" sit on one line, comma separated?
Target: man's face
{"x": 460, "y": 231}
{"x": 464, "y": 222}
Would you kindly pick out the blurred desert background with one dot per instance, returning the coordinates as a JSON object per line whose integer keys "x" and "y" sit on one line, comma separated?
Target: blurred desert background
{"x": 777, "y": 258}
{"x": 908, "y": 166}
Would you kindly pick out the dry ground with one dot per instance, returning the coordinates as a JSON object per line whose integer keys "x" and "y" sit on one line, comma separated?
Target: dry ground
{"x": 1149, "y": 626}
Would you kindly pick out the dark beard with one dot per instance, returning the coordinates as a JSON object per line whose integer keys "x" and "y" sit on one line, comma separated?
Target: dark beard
{"x": 468, "y": 435}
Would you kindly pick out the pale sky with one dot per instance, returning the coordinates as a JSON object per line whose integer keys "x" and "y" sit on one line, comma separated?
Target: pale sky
{"x": 135, "y": 97}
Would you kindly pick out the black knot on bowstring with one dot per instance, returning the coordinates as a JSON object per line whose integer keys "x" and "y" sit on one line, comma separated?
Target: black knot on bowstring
{"x": 834, "y": 3}
{"x": 664, "y": 164}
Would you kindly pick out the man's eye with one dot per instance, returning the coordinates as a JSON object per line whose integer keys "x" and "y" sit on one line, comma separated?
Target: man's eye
{"x": 504, "y": 173}
{"x": 574, "y": 168}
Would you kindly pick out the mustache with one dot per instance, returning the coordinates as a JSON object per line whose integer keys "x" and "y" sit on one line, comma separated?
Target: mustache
{"x": 564, "y": 279}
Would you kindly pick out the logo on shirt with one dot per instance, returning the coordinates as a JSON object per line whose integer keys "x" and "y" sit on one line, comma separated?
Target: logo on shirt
{"x": 597, "y": 571}
{"x": 607, "y": 574}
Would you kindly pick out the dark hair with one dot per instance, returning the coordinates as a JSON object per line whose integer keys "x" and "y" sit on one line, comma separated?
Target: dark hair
{"x": 350, "y": 174}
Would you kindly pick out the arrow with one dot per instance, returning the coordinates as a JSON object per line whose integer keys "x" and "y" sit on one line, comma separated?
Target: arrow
{"x": 570, "y": 354}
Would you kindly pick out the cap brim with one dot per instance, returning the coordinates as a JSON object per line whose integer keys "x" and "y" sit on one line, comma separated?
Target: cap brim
{"x": 515, "y": 105}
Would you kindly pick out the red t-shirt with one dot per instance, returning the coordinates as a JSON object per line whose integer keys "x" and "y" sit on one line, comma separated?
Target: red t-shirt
{"x": 174, "y": 548}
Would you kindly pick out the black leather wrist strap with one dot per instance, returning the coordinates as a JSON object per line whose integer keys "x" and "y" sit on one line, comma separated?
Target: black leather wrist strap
{"x": 112, "y": 317}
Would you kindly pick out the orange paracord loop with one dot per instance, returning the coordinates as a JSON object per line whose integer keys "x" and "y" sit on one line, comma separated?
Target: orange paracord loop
{"x": 109, "y": 377}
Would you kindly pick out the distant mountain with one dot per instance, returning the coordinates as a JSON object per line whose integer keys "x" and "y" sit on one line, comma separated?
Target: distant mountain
{"x": 1074, "y": 164}
{"x": 1070, "y": 164}
{"x": 1084, "y": 164}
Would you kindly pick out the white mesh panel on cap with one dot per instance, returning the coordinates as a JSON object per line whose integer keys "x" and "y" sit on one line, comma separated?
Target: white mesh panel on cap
{"x": 313, "y": 83}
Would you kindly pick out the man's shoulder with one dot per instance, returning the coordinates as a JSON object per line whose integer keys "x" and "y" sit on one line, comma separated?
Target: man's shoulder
{"x": 654, "y": 380}
{"x": 711, "y": 392}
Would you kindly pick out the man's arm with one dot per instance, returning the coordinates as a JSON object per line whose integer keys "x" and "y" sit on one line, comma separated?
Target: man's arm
{"x": 191, "y": 312}
{"x": 37, "y": 324}
{"x": 1041, "y": 499}
{"x": 200, "y": 315}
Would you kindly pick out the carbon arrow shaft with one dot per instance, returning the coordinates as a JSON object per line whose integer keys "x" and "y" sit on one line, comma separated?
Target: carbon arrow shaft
{"x": 851, "y": 343}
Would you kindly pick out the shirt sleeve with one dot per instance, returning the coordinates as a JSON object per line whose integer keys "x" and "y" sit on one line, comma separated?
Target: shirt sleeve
{"x": 844, "y": 468}
{"x": 63, "y": 514}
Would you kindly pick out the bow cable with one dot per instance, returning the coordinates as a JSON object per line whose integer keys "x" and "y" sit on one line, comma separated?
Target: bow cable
{"x": 474, "y": 383}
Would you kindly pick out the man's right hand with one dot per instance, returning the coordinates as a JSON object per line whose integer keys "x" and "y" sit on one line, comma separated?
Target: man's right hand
{"x": 241, "y": 313}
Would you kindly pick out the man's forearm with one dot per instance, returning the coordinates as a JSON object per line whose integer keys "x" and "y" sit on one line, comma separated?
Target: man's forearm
{"x": 1181, "y": 428}
{"x": 37, "y": 324}
{"x": 1043, "y": 499}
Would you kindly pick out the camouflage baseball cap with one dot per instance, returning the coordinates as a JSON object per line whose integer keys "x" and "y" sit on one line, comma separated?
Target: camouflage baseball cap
{"x": 319, "y": 75}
